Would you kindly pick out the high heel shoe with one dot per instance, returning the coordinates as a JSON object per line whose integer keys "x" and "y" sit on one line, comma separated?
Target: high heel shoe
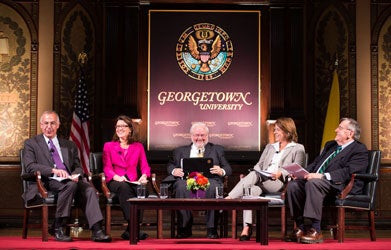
{"x": 246, "y": 237}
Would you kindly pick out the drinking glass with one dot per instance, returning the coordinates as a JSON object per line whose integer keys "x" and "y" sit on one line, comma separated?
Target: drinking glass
{"x": 247, "y": 192}
{"x": 163, "y": 191}
{"x": 141, "y": 191}
{"x": 219, "y": 192}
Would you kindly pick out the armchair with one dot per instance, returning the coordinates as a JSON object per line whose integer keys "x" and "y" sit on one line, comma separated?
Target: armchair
{"x": 43, "y": 202}
{"x": 364, "y": 202}
{"x": 110, "y": 198}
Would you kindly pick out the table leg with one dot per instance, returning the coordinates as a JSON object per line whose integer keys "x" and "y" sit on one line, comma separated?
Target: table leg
{"x": 133, "y": 225}
{"x": 233, "y": 225}
{"x": 263, "y": 224}
{"x": 160, "y": 224}
{"x": 258, "y": 225}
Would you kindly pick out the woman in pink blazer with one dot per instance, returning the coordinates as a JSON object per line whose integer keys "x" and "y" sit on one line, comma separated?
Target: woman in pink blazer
{"x": 123, "y": 159}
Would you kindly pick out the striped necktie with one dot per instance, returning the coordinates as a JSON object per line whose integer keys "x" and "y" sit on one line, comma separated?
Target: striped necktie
{"x": 327, "y": 161}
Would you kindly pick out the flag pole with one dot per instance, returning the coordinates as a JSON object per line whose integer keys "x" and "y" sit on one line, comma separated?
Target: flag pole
{"x": 81, "y": 115}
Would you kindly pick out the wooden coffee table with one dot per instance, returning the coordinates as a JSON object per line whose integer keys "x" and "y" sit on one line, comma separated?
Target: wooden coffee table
{"x": 260, "y": 206}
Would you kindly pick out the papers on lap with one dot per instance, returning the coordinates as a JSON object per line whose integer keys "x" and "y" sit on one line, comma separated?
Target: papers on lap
{"x": 134, "y": 182}
{"x": 264, "y": 173}
{"x": 60, "y": 179}
{"x": 296, "y": 170}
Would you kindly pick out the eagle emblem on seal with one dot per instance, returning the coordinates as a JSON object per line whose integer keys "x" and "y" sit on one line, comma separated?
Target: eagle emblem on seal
{"x": 204, "y": 51}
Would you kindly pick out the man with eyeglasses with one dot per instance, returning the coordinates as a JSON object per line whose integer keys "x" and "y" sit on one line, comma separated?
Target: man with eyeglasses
{"x": 328, "y": 175}
{"x": 200, "y": 147}
{"x": 56, "y": 157}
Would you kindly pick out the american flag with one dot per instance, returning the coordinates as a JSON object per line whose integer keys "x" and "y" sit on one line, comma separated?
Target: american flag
{"x": 81, "y": 124}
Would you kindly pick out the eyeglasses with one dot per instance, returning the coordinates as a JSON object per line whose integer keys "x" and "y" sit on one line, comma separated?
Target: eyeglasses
{"x": 199, "y": 135}
{"x": 121, "y": 126}
{"x": 342, "y": 128}
{"x": 46, "y": 124}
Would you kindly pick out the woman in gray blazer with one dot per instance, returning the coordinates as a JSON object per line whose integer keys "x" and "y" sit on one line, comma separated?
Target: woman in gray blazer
{"x": 284, "y": 151}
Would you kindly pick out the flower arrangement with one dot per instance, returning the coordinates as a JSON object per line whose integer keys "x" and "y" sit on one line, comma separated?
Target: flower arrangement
{"x": 197, "y": 181}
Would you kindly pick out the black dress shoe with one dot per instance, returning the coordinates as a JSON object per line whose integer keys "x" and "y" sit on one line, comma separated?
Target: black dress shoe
{"x": 51, "y": 231}
{"x": 183, "y": 233}
{"x": 125, "y": 235}
{"x": 99, "y": 236}
{"x": 141, "y": 236}
{"x": 60, "y": 236}
{"x": 212, "y": 233}
{"x": 246, "y": 237}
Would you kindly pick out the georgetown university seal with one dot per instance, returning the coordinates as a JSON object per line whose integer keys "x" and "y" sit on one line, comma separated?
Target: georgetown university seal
{"x": 204, "y": 51}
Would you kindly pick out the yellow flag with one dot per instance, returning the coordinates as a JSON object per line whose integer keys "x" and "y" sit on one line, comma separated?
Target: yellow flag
{"x": 332, "y": 115}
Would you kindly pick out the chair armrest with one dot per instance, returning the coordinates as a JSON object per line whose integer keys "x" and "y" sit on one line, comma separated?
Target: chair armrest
{"x": 89, "y": 176}
{"x": 105, "y": 190}
{"x": 90, "y": 180}
{"x": 155, "y": 186}
{"x": 348, "y": 188}
{"x": 29, "y": 176}
{"x": 285, "y": 187}
{"x": 363, "y": 177}
{"x": 366, "y": 177}
{"x": 283, "y": 190}
{"x": 41, "y": 188}
{"x": 37, "y": 178}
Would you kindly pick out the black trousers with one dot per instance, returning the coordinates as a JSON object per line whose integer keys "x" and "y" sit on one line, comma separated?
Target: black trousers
{"x": 125, "y": 191}
{"x": 185, "y": 217}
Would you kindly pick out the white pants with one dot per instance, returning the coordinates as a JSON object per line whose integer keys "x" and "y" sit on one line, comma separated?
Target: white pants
{"x": 253, "y": 179}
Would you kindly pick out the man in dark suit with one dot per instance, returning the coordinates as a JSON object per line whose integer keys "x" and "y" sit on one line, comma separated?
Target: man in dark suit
{"x": 328, "y": 175}
{"x": 200, "y": 147}
{"x": 53, "y": 156}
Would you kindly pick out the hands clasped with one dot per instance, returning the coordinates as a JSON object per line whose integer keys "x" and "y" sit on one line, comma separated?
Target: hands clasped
{"x": 178, "y": 172}
{"x": 217, "y": 170}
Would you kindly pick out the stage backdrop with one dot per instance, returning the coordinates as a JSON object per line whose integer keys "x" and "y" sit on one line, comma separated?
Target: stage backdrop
{"x": 204, "y": 65}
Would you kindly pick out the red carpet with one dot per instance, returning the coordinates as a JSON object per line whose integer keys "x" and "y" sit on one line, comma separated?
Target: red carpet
{"x": 16, "y": 242}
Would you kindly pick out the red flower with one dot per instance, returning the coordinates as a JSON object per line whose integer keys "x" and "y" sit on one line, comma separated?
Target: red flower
{"x": 196, "y": 180}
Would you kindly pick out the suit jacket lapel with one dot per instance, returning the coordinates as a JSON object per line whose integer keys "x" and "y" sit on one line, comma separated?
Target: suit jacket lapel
{"x": 344, "y": 152}
{"x": 187, "y": 151}
{"x": 341, "y": 154}
{"x": 326, "y": 152}
{"x": 65, "y": 158}
{"x": 117, "y": 148}
{"x": 286, "y": 152}
{"x": 45, "y": 149}
{"x": 207, "y": 150}
{"x": 268, "y": 158}
{"x": 65, "y": 155}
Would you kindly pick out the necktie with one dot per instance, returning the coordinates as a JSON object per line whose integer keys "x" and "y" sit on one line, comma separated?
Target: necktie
{"x": 56, "y": 157}
{"x": 327, "y": 161}
{"x": 200, "y": 153}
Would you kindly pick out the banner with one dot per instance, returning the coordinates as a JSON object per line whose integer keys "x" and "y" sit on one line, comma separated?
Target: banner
{"x": 204, "y": 66}
{"x": 332, "y": 116}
